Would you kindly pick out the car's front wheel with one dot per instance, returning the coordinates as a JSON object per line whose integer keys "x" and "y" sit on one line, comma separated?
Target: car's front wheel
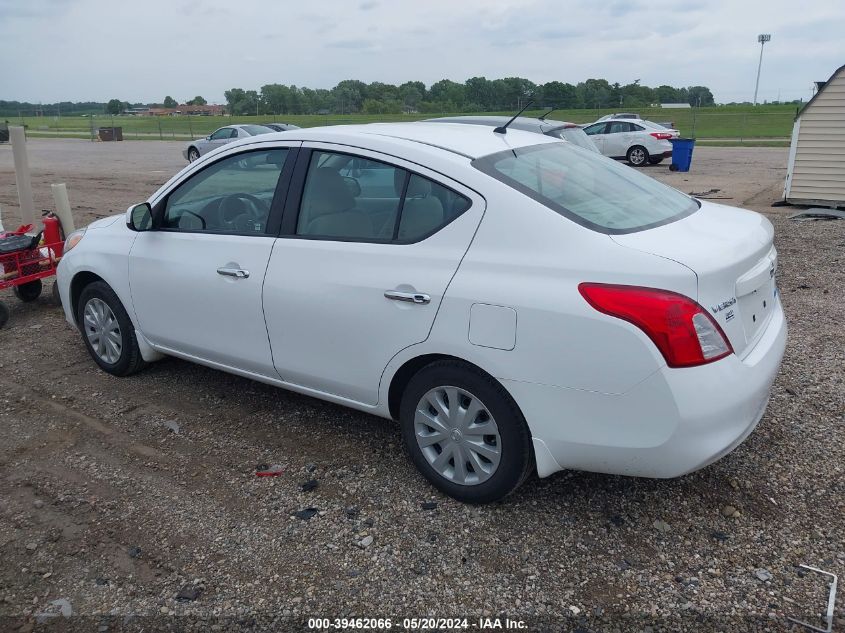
{"x": 107, "y": 331}
{"x": 465, "y": 433}
{"x": 193, "y": 154}
{"x": 637, "y": 156}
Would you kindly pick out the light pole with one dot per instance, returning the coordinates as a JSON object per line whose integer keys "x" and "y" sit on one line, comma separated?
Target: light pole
{"x": 762, "y": 38}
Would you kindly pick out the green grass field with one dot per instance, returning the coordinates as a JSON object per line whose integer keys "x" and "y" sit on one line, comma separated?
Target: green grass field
{"x": 723, "y": 124}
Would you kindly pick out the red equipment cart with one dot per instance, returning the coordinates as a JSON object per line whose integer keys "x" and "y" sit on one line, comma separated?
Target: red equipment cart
{"x": 25, "y": 260}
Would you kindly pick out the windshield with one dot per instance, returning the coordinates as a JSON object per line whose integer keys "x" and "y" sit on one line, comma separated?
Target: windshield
{"x": 254, "y": 130}
{"x": 590, "y": 189}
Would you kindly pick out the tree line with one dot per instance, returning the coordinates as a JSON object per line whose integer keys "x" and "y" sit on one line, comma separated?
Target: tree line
{"x": 477, "y": 94}
{"x": 351, "y": 96}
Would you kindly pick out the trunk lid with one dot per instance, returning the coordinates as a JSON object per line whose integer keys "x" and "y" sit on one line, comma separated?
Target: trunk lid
{"x": 731, "y": 252}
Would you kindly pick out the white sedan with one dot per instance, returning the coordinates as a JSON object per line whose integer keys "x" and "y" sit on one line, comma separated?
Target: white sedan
{"x": 639, "y": 142}
{"x": 517, "y": 303}
{"x": 226, "y": 134}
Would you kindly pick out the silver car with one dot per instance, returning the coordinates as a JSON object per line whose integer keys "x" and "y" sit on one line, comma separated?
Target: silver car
{"x": 196, "y": 148}
{"x": 558, "y": 129}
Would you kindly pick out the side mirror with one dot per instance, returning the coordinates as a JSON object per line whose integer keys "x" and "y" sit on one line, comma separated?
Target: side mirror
{"x": 208, "y": 138}
{"x": 139, "y": 217}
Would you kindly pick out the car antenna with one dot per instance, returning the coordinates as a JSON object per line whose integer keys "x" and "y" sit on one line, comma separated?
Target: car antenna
{"x": 503, "y": 129}
{"x": 543, "y": 116}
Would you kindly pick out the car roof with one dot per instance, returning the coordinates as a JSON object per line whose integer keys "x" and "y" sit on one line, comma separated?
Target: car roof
{"x": 530, "y": 124}
{"x": 470, "y": 141}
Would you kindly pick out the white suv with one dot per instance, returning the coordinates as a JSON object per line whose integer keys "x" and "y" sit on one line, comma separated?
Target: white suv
{"x": 639, "y": 142}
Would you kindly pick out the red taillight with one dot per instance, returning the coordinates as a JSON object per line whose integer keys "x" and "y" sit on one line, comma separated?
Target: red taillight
{"x": 680, "y": 328}
{"x": 661, "y": 136}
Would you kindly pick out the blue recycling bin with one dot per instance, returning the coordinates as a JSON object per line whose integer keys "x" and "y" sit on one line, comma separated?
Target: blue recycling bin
{"x": 681, "y": 153}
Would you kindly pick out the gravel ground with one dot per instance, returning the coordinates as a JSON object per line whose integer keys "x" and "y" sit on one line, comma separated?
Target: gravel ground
{"x": 136, "y": 500}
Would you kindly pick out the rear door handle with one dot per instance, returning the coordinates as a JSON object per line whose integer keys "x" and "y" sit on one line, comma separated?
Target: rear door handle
{"x": 410, "y": 297}
{"x": 233, "y": 272}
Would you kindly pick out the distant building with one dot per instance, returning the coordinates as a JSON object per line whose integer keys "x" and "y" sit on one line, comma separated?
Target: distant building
{"x": 815, "y": 173}
{"x": 675, "y": 105}
{"x": 196, "y": 110}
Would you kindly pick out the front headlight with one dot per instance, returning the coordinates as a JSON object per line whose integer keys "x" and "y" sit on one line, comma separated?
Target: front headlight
{"x": 73, "y": 239}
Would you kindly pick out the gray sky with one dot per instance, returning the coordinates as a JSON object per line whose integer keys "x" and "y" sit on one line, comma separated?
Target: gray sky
{"x": 82, "y": 50}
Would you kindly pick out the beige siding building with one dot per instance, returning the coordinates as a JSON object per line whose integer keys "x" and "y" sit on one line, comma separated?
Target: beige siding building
{"x": 816, "y": 170}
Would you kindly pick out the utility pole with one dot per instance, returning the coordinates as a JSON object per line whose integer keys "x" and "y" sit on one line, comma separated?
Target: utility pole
{"x": 762, "y": 38}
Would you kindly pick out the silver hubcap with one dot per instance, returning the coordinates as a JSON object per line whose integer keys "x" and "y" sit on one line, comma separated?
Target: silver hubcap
{"x": 637, "y": 156}
{"x": 102, "y": 330}
{"x": 193, "y": 155}
{"x": 457, "y": 435}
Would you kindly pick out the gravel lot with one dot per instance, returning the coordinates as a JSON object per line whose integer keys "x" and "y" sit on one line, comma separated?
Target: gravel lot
{"x": 117, "y": 494}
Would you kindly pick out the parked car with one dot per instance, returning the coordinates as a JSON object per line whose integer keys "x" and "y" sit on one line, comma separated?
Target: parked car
{"x": 281, "y": 127}
{"x": 518, "y": 304}
{"x": 198, "y": 147}
{"x": 571, "y": 132}
{"x": 619, "y": 115}
{"x": 631, "y": 140}
{"x": 637, "y": 117}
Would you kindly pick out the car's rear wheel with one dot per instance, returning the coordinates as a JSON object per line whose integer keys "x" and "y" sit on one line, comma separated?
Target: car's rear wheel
{"x": 193, "y": 154}
{"x": 465, "y": 433}
{"x": 637, "y": 156}
{"x": 655, "y": 160}
{"x": 107, "y": 331}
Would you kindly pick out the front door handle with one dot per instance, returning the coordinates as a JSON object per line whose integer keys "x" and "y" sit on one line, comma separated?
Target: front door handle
{"x": 233, "y": 272}
{"x": 410, "y": 297}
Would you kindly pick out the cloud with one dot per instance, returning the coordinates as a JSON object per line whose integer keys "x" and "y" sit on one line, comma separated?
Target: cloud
{"x": 351, "y": 44}
{"x": 194, "y": 47}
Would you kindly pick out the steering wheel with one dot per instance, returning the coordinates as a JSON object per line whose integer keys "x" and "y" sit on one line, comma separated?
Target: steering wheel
{"x": 243, "y": 208}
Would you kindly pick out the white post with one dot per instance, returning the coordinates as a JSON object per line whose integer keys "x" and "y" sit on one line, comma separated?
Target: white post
{"x": 63, "y": 210}
{"x": 16, "y": 134}
{"x": 1, "y": 220}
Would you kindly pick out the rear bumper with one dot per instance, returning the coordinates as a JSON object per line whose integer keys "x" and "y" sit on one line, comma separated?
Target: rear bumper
{"x": 674, "y": 422}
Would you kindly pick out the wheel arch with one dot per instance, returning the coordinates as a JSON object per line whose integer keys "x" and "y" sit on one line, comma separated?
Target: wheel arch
{"x": 80, "y": 280}
{"x": 400, "y": 379}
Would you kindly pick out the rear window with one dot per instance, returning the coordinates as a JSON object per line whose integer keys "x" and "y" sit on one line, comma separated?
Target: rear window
{"x": 590, "y": 189}
{"x": 577, "y": 136}
{"x": 255, "y": 130}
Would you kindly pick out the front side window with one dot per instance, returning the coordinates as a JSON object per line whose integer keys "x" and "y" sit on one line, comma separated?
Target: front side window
{"x": 596, "y": 128}
{"x": 233, "y": 195}
{"x": 592, "y": 190}
{"x": 355, "y": 198}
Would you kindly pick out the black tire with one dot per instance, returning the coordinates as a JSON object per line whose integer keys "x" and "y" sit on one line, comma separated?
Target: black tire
{"x": 516, "y": 462}
{"x": 637, "y": 156}
{"x": 655, "y": 160}
{"x": 193, "y": 154}
{"x": 4, "y": 314}
{"x": 29, "y": 291}
{"x": 673, "y": 167}
{"x": 130, "y": 360}
{"x": 55, "y": 296}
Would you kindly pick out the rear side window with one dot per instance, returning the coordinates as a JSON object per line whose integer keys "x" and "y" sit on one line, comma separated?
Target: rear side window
{"x": 358, "y": 199}
{"x": 592, "y": 190}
